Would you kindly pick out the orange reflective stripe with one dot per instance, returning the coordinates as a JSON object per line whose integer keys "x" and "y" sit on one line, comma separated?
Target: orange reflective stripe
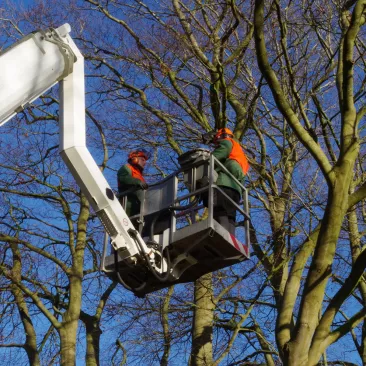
{"x": 136, "y": 173}
{"x": 238, "y": 155}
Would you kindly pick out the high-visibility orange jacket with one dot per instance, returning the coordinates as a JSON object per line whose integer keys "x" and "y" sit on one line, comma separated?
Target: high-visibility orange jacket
{"x": 129, "y": 176}
{"x": 231, "y": 155}
{"x": 136, "y": 172}
{"x": 238, "y": 155}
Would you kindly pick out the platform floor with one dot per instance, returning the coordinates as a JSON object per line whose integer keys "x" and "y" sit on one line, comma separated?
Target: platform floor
{"x": 212, "y": 248}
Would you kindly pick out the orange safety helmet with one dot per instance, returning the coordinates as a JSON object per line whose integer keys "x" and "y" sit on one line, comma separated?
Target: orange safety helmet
{"x": 140, "y": 153}
{"x": 223, "y": 132}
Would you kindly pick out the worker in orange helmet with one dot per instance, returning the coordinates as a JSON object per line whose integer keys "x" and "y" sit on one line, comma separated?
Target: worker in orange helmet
{"x": 130, "y": 176}
{"x": 229, "y": 153}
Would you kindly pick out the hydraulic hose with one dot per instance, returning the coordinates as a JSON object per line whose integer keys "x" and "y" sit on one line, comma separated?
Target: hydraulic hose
{"x": 120, "y": 280}
{"x": 161, "y": 278}
{"x": 177, "y": 208}
{"x": 170, "y": 208}
{"x": 186, "y": 207}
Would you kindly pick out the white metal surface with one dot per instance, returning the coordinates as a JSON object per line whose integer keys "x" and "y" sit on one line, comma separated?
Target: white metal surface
{"x": 29, "y": 68}
{"x": 82, "y": 165}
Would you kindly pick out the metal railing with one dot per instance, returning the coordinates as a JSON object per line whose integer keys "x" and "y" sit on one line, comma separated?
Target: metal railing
{"x": 181, "y": 192}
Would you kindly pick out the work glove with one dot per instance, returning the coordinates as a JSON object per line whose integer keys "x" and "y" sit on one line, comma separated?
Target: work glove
{"x": 143, "y": 185}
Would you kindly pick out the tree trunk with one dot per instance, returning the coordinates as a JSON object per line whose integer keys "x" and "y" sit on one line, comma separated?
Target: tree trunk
{"x": 68, "y": 329}
{"x": 320, "y": 270}
{"x": 92, "y": 328}
{"x": 31, "y": 341}
{"x": 363, "y": 344}
{"x": 68, "y": 334}
{"x": 165, "y": 323}
{"x": 202, "y": 322}
{"x": 355, "y": 242}
{"x": 93, "y": 333}
{"x": 30, "y": 345}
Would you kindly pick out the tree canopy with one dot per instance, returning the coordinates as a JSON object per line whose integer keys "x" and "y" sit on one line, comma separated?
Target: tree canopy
{"x": 288, "y": 77}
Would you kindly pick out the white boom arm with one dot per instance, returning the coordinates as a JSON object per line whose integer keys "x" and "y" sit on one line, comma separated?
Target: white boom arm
{"x": 27, "y": 70}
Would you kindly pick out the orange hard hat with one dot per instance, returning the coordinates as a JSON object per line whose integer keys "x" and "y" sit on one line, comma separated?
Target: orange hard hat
{"x": 221, "y": 132}
{"x": 140, "y": 153}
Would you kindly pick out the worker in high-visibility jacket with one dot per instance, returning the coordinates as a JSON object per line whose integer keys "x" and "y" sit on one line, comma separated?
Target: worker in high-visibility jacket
{"x": 229, "y": 153}
{"x": 130, "y": 176}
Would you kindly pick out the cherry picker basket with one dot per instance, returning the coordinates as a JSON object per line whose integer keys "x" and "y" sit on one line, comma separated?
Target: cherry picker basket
{"x": 177, "y": 217}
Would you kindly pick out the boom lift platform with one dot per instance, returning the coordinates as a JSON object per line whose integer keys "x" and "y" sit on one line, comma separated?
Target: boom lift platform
{"x": 183, "y": 241}
{"x": 177, "y": 223}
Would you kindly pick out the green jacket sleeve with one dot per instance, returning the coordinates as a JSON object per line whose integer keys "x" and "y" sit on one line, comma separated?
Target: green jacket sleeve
{"x": 125, "y": 178}
{"x": 222, "y": 152}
